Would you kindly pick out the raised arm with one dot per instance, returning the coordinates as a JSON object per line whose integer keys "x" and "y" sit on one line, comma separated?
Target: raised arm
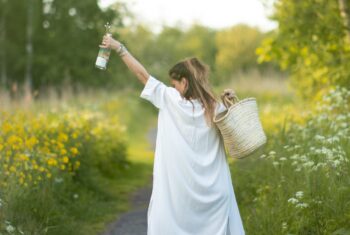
{"x": 134, "y": 65}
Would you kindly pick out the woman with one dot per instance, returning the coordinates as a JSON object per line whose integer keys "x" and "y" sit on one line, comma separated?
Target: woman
{"x": 192, "y": 188}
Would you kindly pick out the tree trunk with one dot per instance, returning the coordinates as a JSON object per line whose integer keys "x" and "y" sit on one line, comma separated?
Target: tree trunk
{"x": 29, "y": 50}
{"x": 3, "y": 75}
{"x": 344, "y": 12}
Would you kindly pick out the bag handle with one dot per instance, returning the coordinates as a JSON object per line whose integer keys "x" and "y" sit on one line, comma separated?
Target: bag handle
{"x": 229, "y": 98}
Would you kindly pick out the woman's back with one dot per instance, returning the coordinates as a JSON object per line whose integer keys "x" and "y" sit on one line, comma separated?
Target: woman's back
{"x": 192, "y": 188}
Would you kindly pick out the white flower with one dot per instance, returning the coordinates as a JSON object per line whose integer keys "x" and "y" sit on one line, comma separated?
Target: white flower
{"x": 272, "y": 152}
{"x": 284, "y": 225}
{"x": 317, "y": 201}
{"x": 308, "y": 164}
{"x": 283, "y": 159}
{"x": 299, "y": 194}
{"x": 294, "y": 156}
{"x": 0, "y": 202}
{"x": 302, "y": 205}
{"x": 10, "y": 228}
{"x": 336, "y": 163}
{"x": 58, "y": 180}
{"x": 275, "y": 163}
{"x": 319, "y": 137}
{"x": 293, "y": 200}
{"x": 263, "y": 156}
{"x": 75, "y": 196}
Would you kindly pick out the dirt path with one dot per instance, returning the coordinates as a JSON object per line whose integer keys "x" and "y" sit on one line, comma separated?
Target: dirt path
{"x": 134, "y": 222}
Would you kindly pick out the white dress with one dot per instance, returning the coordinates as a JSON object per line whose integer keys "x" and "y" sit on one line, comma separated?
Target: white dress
{"x": 192, "y": 189}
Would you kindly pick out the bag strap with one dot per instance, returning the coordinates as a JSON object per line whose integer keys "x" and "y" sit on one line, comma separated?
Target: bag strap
{"x": 229, "y": 98}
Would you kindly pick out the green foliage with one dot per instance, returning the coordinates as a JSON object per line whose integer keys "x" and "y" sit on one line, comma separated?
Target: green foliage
{"x": 80, "y": 203}
{"x": 66, "y": 35}
{"x": 309, "y": 43}
{"x": 236, "y": 48}
{"x": 300, "y": 185}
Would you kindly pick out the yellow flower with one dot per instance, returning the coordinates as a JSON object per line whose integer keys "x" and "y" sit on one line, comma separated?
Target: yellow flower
{"x": 77, "y": 164}
{"x": 63, "y": 151}
{"x": 74, "y": 151}
{"x": 6, "y": 128}
{"x": 31, "y": 142}
{"x": 48, "y": 175}
{"x": 13, "y": 169}
{"x": 65, "y": 159}
{"x": 63, "y": 167}
{"x": 74, "y": 135}
{"x": 52, "y": 162}
{"x": 60, "y": 145}
{"x": 23, "y": 157}
{"x": 14, "y": 140}
{"x": 62, "y": 137}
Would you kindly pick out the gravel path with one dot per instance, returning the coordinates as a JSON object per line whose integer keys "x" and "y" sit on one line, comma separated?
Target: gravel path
{"x": 134, "y": 222}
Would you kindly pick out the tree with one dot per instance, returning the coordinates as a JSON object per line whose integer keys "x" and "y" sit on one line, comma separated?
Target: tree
{"x": 3, "y": 75}
{"x": 236, "y": 49}
{"x": 309, "y": 43}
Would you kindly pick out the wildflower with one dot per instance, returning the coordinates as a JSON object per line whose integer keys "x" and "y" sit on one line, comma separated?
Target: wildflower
{"x": 75, "y": 196}
{"x": 10, "y": 228}
{"x": 293, "y": 200}
{"x": 319, "y": 137}
{"x": 275, "y": 163}
{"x": 283, "y": 159}
{"x": 336, "y": 163}
{"x": 284, "y": 225}
{"x": 294, "y": 156}
{"x": 308, "y": 164}
{"x": 74, "y": 150}
{"x": 58, "y": 180}
{"x": 299, "y": 194}
{"x": 302, "y": 205}
{"x": 263, "y": 156}
{"x": 52, "y": 162}
{"x": 65, "y": 159}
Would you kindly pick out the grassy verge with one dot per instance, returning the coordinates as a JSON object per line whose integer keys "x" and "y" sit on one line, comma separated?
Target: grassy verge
{"x": 88, "y": 201}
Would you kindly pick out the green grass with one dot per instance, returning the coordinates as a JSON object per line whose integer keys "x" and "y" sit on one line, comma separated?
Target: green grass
{"x": 310, "y": 160}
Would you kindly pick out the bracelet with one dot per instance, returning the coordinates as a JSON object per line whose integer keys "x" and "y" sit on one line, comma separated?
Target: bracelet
{"x": 122, "y": 50}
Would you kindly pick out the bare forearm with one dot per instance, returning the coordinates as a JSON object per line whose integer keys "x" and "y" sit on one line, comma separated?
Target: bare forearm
{"x": 135, "y": 67}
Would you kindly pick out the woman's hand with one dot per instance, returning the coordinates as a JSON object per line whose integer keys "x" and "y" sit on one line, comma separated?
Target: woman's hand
{"x": 229, "y": 93}
{"x": 109, "y": 42}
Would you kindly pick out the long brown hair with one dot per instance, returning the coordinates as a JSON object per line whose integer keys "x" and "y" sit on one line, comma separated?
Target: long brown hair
{"x": 196, "y": 73}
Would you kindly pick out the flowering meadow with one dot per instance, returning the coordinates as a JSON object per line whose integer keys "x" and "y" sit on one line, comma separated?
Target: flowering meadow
{"x": 301, "y": 184}
{"x": 47, "y": 157}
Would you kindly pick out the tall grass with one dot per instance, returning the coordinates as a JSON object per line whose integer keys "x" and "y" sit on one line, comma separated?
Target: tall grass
{"x": 301, "y": 185}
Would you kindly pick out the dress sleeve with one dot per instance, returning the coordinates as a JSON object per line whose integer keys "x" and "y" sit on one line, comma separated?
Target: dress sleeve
{"x": 158, "y": 93}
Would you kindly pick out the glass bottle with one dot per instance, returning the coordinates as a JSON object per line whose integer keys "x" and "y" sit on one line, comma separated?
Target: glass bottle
{"x": 104, "y": 53}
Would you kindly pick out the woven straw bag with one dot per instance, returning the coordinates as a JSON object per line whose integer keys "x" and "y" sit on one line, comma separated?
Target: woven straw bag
{"x": 240, "y": 126}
